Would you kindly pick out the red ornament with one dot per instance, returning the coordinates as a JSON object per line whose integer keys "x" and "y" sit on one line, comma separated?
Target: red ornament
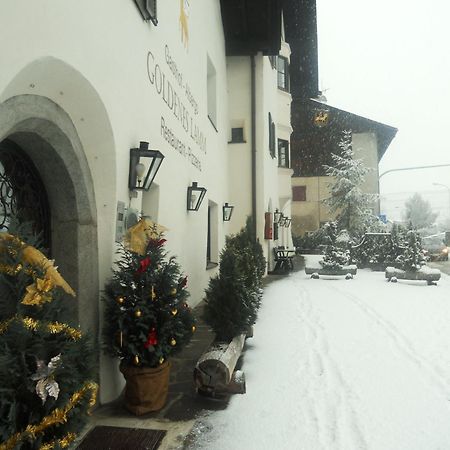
{"x": 152, "y": 338}
{"x": 143, "y": 265}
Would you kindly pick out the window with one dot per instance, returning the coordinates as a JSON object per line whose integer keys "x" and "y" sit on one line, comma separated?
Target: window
{"x": 283, "y": 153}
{"x": 283, "y": 73}
{"x": 271, "y": 136}
{"x": 147, "y": 8}
{"x": 211, "y": 93}
{"x": 299, "y": 193}
{"x": 237, "y": 135}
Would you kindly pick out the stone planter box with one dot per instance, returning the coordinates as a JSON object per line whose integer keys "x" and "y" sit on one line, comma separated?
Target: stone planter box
{"x": 347, "y": 271}
{"x": 425, "y": 273}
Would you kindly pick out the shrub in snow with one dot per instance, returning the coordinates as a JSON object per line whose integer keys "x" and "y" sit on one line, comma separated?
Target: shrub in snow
{"x": 380, "y": 248}
{"x": 336, "y": 254}
{"x": 412, "y": 257}
{"x": 233, "y": 297}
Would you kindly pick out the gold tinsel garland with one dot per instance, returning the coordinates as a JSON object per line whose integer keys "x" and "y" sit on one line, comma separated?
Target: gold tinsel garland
{"x": 56, "y": 417}
{"x": 33, "y": 324}
{"x": 62, "y": 443}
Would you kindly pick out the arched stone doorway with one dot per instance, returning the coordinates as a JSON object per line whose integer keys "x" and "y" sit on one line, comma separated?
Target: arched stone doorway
{"x": 45, "y": 134}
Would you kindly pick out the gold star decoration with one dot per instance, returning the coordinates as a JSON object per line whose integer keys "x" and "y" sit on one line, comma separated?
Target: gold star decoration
{"x": 137, "y": 236}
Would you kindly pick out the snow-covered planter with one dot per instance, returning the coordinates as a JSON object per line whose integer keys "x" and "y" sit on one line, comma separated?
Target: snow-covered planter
{"x": 345, "y": 270}
{"x": 425, "y": 273}
{"x": 336, "y": 257}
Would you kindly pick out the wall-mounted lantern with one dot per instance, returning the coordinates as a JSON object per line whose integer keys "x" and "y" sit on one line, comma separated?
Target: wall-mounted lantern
{"x": 277, "y": 215}
{"x": 148, "y": 10}
{"x": 287, "y": 222}
{"x": 144, "y": 164}
{"x": 227, "y": 212}
{"x": 195, "y": 195}
{"x": 282, "y": 220}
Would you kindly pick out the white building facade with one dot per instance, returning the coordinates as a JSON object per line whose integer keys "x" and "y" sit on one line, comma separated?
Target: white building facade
{"x": 81, "y": 87}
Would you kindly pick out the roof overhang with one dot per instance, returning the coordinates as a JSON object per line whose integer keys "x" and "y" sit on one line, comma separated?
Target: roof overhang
{"x": 251, "y": 26}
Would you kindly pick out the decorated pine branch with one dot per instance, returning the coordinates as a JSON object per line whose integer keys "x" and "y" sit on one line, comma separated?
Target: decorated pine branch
{"x": 46, "y": 363}
{"x": 147, "y": 318}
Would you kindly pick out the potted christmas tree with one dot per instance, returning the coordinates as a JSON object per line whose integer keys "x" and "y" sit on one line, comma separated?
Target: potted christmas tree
{"x": 147, "y": 318}
{"x": 46, "y": 363}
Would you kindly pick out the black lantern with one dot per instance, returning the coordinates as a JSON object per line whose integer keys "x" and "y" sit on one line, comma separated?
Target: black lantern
{"x": 195, "y": 195}
{"x": 277, "y": 215}
{"x": 287, "y": 222}
{"x": 144, "y": 164}
{"x": 227, "y": 212}
{"x": 282, "y": 220}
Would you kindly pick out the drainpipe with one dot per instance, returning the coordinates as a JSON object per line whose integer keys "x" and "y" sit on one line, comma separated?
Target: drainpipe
{"x": 253, "y": 126}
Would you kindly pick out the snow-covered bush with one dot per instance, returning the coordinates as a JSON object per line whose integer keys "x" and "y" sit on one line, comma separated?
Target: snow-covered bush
{"x": 412, "y": 258}
{"x": 337, "y": 254}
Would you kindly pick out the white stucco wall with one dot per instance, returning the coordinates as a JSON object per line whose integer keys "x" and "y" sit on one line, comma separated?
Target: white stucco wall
{"x": 114, "y": 75}
{"x": 120, "y": 80}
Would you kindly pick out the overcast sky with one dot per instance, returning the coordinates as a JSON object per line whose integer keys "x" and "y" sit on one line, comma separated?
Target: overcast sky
{"x": 389, "y": 60}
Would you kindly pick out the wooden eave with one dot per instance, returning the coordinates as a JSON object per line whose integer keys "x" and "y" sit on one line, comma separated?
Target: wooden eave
{"x": 251, "y": 26}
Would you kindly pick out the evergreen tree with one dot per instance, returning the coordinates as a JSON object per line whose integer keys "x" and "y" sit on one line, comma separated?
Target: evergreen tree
{"x": 233, "y": 297}
{"x": 251, "y": 262}
{"x": 147, "y": 318}
{"x": 398, "y": 239}
{"x": 336, "y": 255}
{"x": 46, "y": 363}
{"x": 412, "y": 257}
{"x": 351, "y": 206}
{"x": 418, "y": 212}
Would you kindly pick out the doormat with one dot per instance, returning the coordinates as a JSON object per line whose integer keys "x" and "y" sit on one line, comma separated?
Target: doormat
{"x": 119, "y": 438}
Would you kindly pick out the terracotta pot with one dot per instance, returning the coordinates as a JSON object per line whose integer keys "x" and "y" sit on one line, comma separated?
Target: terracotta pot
{"x": 146, "y": 387}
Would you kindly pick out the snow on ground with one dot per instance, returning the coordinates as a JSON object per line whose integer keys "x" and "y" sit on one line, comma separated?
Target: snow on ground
{"x": 342, "y": 364}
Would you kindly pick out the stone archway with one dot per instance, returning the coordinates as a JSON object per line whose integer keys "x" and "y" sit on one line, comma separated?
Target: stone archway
{"x": 46, "y": 134}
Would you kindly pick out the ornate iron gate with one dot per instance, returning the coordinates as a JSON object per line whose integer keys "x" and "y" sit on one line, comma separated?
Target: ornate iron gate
{"x": 22, "y": 193}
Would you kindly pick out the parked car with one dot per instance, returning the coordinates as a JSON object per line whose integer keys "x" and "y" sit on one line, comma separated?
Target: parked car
{"x": 434, "y": 247}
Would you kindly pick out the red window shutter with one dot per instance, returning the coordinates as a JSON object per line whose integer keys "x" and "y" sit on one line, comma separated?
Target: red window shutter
{"x": 268, "y": 226}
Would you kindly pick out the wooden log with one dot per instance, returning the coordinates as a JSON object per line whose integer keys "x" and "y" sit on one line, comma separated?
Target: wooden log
{"x": 215, "y": 368}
